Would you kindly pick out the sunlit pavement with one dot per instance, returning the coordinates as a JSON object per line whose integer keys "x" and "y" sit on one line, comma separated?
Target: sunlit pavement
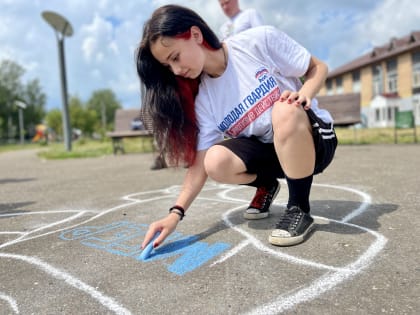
{"x": 70, "y": 235}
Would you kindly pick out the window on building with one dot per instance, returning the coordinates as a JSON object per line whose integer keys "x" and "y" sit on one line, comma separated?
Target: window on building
{"x": 356, "y": 81}
{"x": 377, "y": 114}
{"x": 377, "y": 83}
{"x": 391, "y": 113}
{"x": 416, "y": 70}
{"x": 392, "y": 76}
{"x": 329, "y": 87}
{"x": 339, "y": 85}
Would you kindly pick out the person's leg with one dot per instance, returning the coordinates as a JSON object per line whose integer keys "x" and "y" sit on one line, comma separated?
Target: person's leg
{"x": 250, "y": 162}
{"x": 223, "y": 166}
{"x": 296, "y": 151}
{"x": 159, "y": 161}
{"x": 298, "y": 154}
{"x": 293, "y": 140}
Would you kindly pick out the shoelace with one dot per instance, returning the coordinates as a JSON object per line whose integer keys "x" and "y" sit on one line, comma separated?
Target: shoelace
{"x": 290, "y": 219}
{"x": 260, "y": 198}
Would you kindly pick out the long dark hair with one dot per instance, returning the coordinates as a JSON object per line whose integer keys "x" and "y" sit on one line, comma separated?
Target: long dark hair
{"x": 169, "y": 99}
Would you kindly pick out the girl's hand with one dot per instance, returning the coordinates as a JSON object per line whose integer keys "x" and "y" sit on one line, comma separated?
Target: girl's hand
{"x": 295, "y": 98}
{"x": 165, "y": 226}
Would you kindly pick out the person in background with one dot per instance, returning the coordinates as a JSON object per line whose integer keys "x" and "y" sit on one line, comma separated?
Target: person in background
{"x": 239, "y": 20}
{"x": 159, "y": 161}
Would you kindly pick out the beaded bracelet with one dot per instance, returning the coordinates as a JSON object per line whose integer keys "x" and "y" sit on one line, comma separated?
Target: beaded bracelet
{"x": 178, "y": 210}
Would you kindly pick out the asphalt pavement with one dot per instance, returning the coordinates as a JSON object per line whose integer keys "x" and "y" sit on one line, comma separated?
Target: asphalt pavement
{"x": 70, "y": 235}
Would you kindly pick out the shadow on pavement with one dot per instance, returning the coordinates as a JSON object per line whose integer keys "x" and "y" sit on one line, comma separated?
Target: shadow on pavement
{"x": 15, "y": 180}
{"x": 331, "y": 209}
{"x": 10, "y": 208}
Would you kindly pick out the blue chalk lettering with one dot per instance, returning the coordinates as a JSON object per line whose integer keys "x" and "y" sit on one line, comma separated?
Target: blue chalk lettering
{"x": 85, "y": 231}
{"x": 193, "y": 254}
{"x": 125, "y": 238}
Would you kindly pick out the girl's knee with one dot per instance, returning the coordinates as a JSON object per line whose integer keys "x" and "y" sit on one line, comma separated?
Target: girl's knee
{"x": 288, "y": 120}
{"x": 216, "y": 162}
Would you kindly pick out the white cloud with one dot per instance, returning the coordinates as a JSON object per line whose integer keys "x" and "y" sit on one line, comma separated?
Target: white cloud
{"x": 100, "y": 54}
{"x": 392, "y": 18}
{"x": 96, "y": 37}
{"x": 88, "y": 47}
{"x": 113, "y": 47}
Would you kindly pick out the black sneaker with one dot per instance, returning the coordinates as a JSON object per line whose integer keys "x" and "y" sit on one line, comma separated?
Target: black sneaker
{"x": 292, "y": 228}
{"x": 260, "y": 204}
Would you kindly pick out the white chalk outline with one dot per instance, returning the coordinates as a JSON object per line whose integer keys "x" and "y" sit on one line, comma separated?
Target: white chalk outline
{"x": 57, "y": 273}
{"x": 325, "y": 282}
{"x": 106, "y": 301}
{"x": 11, "y": 301}
{"x": 24, "y": 236}
{"x": 333, "y": 277}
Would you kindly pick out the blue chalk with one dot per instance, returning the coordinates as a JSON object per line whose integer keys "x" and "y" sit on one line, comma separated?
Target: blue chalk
{"x": 148, "y": 249}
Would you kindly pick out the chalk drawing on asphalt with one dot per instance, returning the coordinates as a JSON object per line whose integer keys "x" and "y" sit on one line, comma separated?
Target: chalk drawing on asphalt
{"x": 334, "y": 275}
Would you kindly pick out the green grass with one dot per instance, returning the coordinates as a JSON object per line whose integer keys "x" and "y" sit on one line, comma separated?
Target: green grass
{"x": 353, "y": 135}
{"x": 15, "y": 147}
{"x": 84, "y": 148}
{"x": 91, "y": 148}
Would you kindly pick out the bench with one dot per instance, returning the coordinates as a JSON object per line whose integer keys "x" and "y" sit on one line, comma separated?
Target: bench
{"x": 344, "y": 108}
{"x": 129, "y": 123}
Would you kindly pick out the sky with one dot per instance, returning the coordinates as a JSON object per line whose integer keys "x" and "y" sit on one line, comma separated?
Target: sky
{"x": 101, "y": 52}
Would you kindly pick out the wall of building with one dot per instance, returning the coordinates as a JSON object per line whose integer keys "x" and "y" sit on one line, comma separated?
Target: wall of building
{"x": 405, "y": 77}
{"x": 402, "y": 95}
{"x": 366, "y": 92}
{"x": 404, "y": 64}
{"x": 347, "y": 83}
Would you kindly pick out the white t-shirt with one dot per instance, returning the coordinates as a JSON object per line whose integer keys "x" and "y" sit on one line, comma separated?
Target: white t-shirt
{"x": 240, "y": 22}
{"x": 262, "y": 63}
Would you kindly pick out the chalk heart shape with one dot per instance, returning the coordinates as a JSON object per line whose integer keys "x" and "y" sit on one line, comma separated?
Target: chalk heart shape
{"x": 334, "y": 275}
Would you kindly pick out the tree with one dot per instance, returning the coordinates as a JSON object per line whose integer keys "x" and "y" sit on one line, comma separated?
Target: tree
{"x": 35, "y": 100}
{"x": 54, "y": 122}
{"x": 81, "y": 117}
{"x": 10, "y": 88}
{"x": 104, "y": 103}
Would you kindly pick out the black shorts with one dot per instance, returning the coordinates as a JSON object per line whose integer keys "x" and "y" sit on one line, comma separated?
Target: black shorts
{"x": 261, "y": 157}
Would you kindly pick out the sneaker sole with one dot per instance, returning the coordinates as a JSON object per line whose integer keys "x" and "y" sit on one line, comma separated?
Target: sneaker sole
{"x": 261, "y": 215}
{"x": 256, "y": 216}
{"x": 290, "y": 241}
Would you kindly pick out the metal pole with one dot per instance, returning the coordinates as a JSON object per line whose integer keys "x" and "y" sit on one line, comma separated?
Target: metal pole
{"x": 62, "y": 29}
{"x": 21, "y": 125}
{"x": 103, "y": 115}
{"x": 66, "y": 118}
{"x": 9, "y": 128}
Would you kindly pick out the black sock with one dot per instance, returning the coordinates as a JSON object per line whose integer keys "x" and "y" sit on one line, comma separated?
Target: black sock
{"x": 263, "y": 181}
{"x": 299, "y": 190}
